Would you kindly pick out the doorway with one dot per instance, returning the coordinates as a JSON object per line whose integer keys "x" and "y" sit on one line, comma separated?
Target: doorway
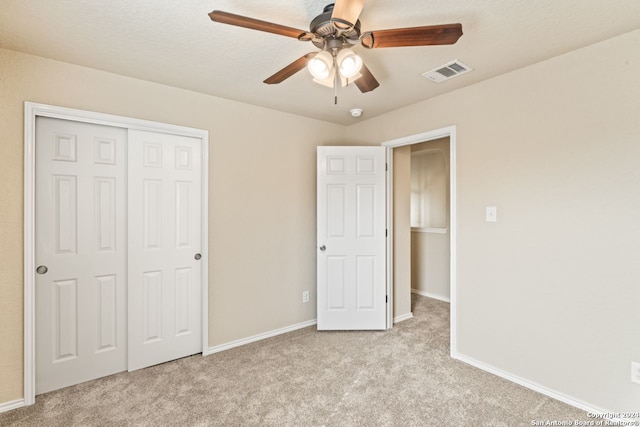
{"x": 115, "y": 221}
{"x": 399, "y": 214}
{"x": 429, "y": 219}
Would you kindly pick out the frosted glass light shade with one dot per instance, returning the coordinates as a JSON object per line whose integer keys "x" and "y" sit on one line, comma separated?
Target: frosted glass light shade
{"x": 349, "y": 63}
{"x": 320, "y": 65}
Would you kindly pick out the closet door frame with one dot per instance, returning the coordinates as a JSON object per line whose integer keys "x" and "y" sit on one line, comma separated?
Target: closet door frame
{"x": 33, "y": 110}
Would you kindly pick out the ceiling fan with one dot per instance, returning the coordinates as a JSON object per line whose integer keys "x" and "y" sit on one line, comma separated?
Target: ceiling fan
{"x": 335, "y": 32}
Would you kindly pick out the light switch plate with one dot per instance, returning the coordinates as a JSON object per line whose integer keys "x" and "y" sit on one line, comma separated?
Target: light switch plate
{"x": 492, "y": 214}
{"x": 635, "y": 372}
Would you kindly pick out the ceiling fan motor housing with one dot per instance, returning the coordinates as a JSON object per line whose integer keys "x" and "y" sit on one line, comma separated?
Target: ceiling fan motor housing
{"x": 323, "y": 28}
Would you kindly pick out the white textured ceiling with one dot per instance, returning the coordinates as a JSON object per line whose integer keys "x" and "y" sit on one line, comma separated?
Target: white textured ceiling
{"x": 175, "y": 43}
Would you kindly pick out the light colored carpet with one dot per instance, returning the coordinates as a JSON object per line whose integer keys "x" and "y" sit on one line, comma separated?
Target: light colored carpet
{"x": 402, "y": 377}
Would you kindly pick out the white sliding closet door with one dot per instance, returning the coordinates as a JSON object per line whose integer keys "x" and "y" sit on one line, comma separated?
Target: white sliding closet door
{"x": 80, "y": 251}
{"x": 118, "y": 220}
{"x": 165, "y": 241}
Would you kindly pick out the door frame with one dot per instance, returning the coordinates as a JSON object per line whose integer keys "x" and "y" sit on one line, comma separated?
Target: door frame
{"x": 33, "y": 110}
{"x": 449, "y": 131}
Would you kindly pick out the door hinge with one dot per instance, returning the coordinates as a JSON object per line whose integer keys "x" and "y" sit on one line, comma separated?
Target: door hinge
{"x": 386, "y": 233}
{"x": 386, "y": 299}
{"x": 386, "y": 166}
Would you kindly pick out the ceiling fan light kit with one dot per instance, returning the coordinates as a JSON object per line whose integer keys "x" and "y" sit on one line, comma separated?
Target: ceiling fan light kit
{"x": 335, "y": 32}
{"x": 324, "y": 65}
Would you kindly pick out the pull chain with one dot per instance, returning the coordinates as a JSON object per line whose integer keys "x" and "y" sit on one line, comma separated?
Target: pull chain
{"x": 335, "y": 87}
{"x": 335, "y": 80}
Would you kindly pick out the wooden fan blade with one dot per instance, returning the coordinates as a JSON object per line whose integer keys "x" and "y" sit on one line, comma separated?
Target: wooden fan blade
{"x": 290, "y": 70}
{"x": 255, "y": 24}
{"x": 367, "y": 82}
{"x": 414, "y": 36}
{"x": 346, "y": 12}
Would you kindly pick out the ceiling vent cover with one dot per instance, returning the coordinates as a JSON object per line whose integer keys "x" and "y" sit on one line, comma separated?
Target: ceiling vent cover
{"x": 447, "y": 71}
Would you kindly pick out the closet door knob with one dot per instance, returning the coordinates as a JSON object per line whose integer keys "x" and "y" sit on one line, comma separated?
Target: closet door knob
{"x": 197, "y": 257}
{"x": 42, "y": 269}
{"x": 323, "y": 248}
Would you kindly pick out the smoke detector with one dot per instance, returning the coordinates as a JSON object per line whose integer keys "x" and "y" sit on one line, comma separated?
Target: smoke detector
{"x": 356, "y": 112}
{"x": 447, "y": 71}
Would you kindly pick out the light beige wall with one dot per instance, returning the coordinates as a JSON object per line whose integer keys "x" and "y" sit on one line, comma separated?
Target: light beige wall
{"x": 401, "y": 231}
{"x": 262, "y": 195}
{"x": 550, "y": 292}
{"x": 430, "y": 260}
{"x": 430, "y": 273}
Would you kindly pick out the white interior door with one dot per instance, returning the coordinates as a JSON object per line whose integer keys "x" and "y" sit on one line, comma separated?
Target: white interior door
{"x": 165, "y": 241}
{"x": 81, "y": 252}
{"x": 351, "y": 238}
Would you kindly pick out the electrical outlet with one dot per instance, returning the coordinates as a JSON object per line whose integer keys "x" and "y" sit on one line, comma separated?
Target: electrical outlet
{"x": 305, "y": 296}
{"x": 635, "y": 372}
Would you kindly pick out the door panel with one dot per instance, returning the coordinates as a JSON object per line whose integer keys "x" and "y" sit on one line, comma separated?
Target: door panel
{"x": 351, "y": 238}
{"x": 65, "y": 327}
{"x": 106, "y": 308}
{"x": 152, "y": 306}
{"x": 165, "y": 222}
{"x": 336, "y": 210}
{"x": 80, "y": 238}
{"x": 105, "y": 208}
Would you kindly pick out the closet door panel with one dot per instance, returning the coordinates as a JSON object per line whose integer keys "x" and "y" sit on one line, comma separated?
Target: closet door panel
{"x": 165, "y": 274}
{"x": 81, "y": 251}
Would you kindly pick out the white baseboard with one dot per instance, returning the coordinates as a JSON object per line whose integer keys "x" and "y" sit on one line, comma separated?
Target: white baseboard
{"x": 536, "y": 387}
{"x": 430, "y": 295}
{"x": 402, "y": 318}
{"x": 10, "y": 406}
{"x": 259, "y": 337}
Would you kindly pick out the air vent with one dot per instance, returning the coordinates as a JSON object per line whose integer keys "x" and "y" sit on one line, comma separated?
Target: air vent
{"x": 447, "y": 71}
